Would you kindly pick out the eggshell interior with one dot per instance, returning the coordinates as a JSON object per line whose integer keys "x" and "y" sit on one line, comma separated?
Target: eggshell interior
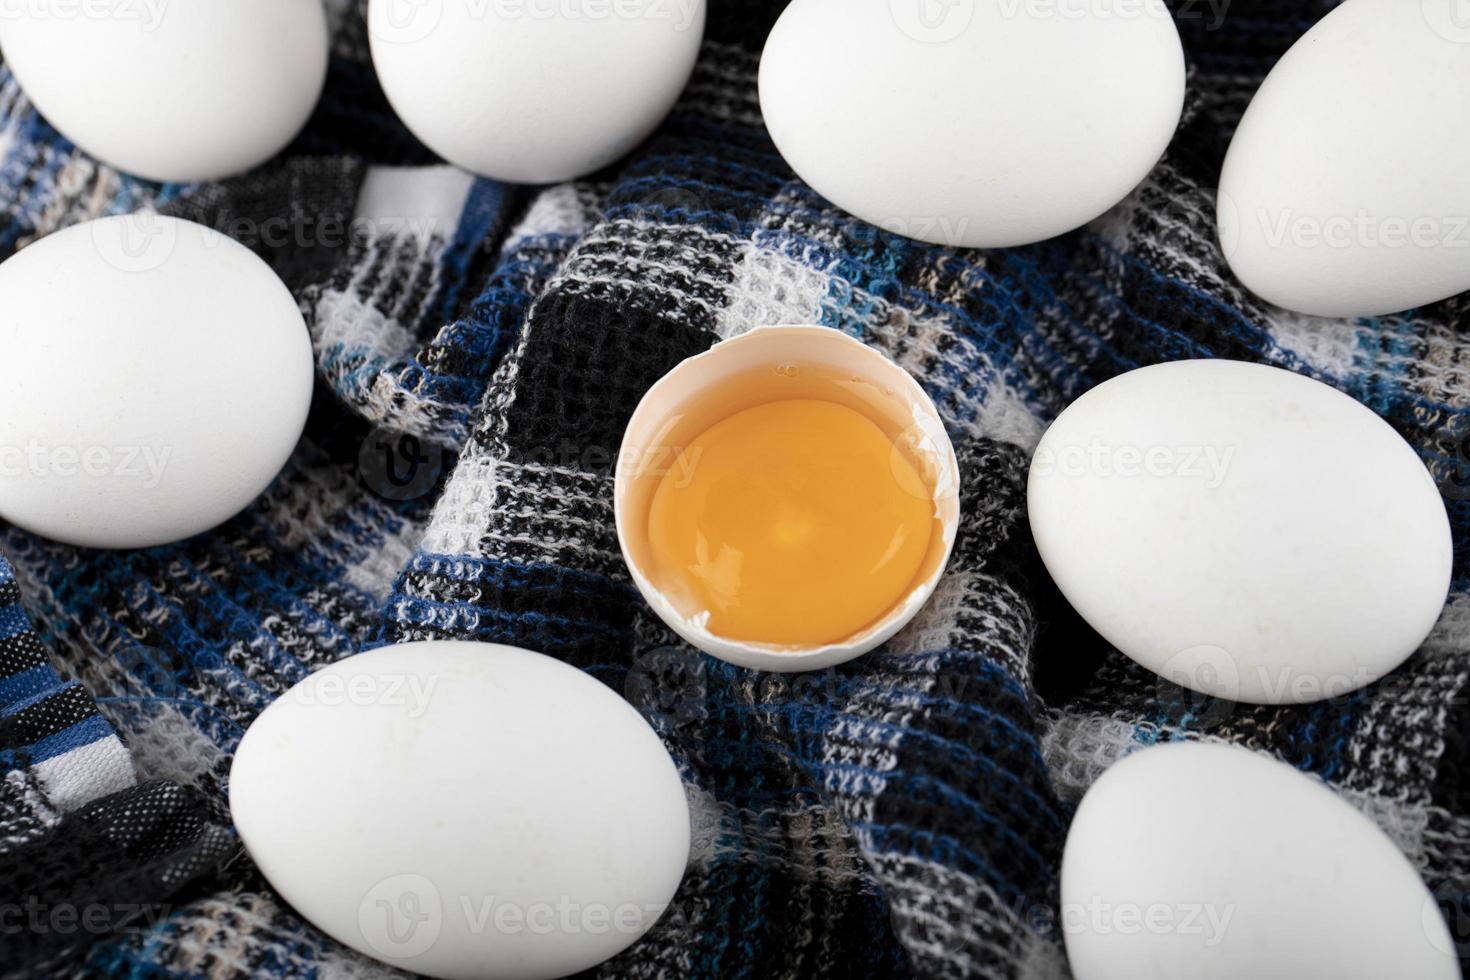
{"x": 764, "y": 365}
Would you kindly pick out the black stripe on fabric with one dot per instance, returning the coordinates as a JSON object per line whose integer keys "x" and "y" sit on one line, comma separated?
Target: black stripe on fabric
{"x": 47, "y": 717}
{"x": 586, "y": 365}
{"x": 20, "y": 653}
{"x": 120, "y": 861}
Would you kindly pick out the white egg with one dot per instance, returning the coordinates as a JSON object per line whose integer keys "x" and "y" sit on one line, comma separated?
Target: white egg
{"x": 973, "y": 124}
{"x": 1204, "y": 861}
{"x": 158, "y": 378}
{"x": 1322, "y": 207}
{"x": 463, "y": 810}
{"x": 534, "y": 91}
{"x": 1241, "y": 530}
{"x": 677, "y": 409}
{"x": 171, "y": 90}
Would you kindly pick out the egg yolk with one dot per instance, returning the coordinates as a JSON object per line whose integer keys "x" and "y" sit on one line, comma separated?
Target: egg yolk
{"x": 796, "y": 522}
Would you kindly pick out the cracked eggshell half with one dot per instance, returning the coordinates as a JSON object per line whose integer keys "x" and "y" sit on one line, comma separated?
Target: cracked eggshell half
{"x": 746, "y": 371}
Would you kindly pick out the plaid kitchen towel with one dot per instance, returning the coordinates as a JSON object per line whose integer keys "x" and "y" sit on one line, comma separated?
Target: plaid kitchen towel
{"x": 479, "y": 350}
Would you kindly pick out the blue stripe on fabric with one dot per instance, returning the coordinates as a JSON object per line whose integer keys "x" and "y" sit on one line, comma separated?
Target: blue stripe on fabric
{"x": 1379, "y": 379}
{"x": 83, "y": 733}
{"x": 28, "y": 685}
{"x": 487, "y": 614}
{"x": 13, "y": 622}
{"x": 484, "y": 208}
{"x": 21, "y": 704}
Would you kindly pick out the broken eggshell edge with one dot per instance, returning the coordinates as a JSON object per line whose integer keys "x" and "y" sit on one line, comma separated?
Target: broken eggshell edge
{"x": 671, "y": 400}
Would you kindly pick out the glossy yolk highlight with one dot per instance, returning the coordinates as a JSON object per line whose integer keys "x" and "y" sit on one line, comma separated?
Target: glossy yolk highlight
{"x": 793, "y": 523}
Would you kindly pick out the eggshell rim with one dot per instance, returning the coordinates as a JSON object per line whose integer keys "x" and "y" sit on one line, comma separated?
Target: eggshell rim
{"x": 778, "y": 659}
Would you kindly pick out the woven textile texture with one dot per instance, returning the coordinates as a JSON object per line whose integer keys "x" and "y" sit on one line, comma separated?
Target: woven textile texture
{"x": 479, "y": 350}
